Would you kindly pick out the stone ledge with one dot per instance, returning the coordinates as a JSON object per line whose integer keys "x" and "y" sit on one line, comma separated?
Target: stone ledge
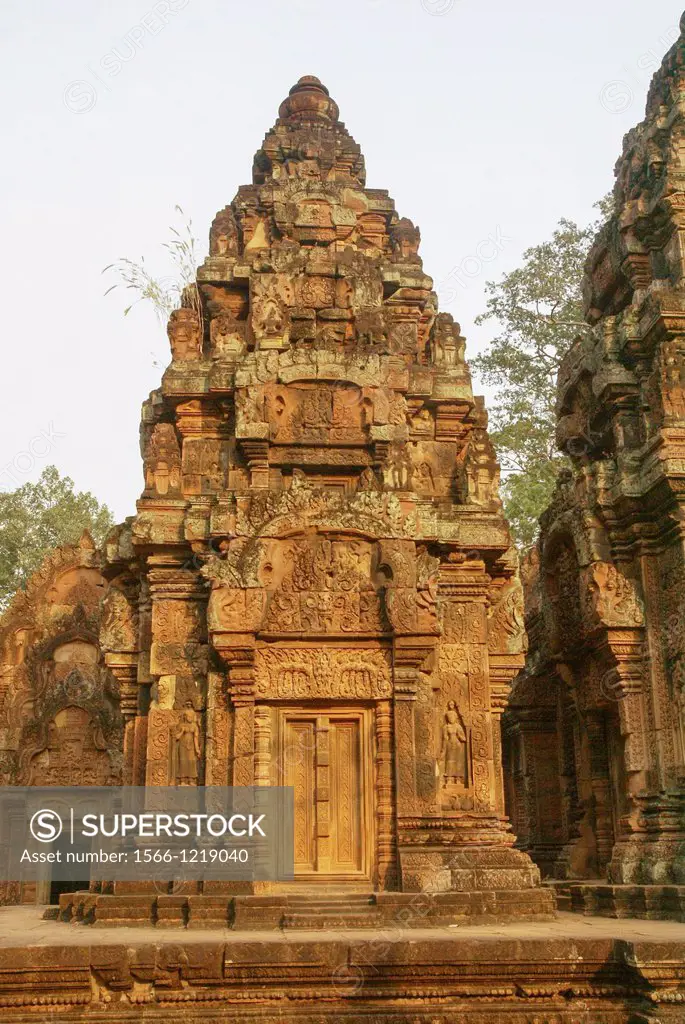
{"x": 644, "y": 902}
{"x": 574, "y": 971}
{"x": 385, "y": 909}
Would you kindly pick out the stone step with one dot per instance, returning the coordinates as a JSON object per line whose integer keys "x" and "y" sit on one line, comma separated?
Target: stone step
{"x": 339, "y": 910}
{"x": 318, "y": 921}
{"x": 343, "y": 903}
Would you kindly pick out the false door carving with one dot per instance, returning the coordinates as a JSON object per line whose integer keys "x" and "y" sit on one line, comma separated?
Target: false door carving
{"x": 326, "y": 759}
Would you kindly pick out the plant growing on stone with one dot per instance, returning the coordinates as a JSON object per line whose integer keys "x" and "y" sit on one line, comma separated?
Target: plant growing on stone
{"x": 164, "y": 293}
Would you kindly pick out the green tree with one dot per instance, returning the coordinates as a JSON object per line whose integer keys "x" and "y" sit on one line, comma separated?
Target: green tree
{"x": 35, "y": 518}
{"x": 538, "y": 308}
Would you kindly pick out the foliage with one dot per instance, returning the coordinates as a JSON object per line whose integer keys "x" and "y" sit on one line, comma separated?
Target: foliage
{"x": 164, "y": 293}
{"x": 538, "y": 307}
{"x": 35, "y": 518}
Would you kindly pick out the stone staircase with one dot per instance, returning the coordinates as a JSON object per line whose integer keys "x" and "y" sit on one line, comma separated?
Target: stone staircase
{"x": 353, "y": 910}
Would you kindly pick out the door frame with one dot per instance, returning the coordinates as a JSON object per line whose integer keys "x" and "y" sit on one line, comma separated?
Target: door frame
{"x": 365, "y": 717}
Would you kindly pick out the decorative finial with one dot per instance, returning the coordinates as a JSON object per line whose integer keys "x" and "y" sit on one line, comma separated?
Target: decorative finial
{"x": 309, "y": 98}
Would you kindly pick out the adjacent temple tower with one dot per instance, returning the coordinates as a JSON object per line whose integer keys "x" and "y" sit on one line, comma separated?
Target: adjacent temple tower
{"x": 595, "y": 735}
{"x": 318, "y": 586}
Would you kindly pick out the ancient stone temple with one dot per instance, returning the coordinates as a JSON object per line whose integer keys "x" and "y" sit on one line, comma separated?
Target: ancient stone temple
{"x": 595, "y": 735}
{"x": 319, "y": 582}
{"x": 318, "y": 590}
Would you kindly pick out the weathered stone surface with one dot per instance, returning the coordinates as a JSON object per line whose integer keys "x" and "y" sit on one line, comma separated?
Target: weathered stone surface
{"x": 566, "y": 973}
{"x": 318, "y": 588}
{"x": 595, "y": 732}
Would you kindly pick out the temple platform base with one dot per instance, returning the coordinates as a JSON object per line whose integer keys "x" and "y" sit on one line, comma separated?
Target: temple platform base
{"x": 306, "y": 911}
{"x": 574, "y": 970}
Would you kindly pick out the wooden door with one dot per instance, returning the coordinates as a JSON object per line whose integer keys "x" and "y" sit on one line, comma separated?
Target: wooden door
{"x": 300, "y": 749}
{"x": 347, "y": 797}
{"x": 326, "y": 761}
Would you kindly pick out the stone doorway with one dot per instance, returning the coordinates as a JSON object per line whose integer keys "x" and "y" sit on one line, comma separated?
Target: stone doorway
{"x": 326, "y": 757}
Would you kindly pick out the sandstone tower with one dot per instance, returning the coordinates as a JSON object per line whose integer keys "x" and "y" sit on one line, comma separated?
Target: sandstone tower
{"x": 596, "y": 730}
{"x": 319, "y": 583}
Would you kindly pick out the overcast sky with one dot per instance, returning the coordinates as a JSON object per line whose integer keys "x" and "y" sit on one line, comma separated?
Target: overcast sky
{"x": 483, "y": 119}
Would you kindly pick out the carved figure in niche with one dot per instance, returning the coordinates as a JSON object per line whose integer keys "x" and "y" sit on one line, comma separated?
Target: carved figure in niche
{"x": 316, "y": 409}
{"x": 184, "y": 334}
{"x": 453, "y": 749}
{"x": 227, "y": 336}
{"x": 370, "y": 328}
{"x": 448, "y": 345}
{"x": 185, "y": 751}
{"x": 399, "y": 470}
{"x": 256, "y": 231}
{"x": 202, "y": 459}
{"x": 224, "y": 239}
{"x": 119, "y": 628}
{"x": 18, "y": 645}
{"x": 481, "y": 473}
{"x": 425, "y": 480}
{"x": 368, "y": 481}
{"x": 563, "y": 605}
{"x": 672, "y": 391}
{"x": 405, "y": 240}
{"x": 249, "y": 405}
{"x": 163, "y": 460}
{"x": 397, "y": 411}
{"x": 421, "y": 422}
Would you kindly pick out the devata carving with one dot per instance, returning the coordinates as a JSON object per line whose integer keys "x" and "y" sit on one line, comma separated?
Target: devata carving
{"x": 453, "y": 750}
{"x": 185, "y": 749}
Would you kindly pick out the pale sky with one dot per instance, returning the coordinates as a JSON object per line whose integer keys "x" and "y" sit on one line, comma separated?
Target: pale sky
{"x": 485, "y": 120}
